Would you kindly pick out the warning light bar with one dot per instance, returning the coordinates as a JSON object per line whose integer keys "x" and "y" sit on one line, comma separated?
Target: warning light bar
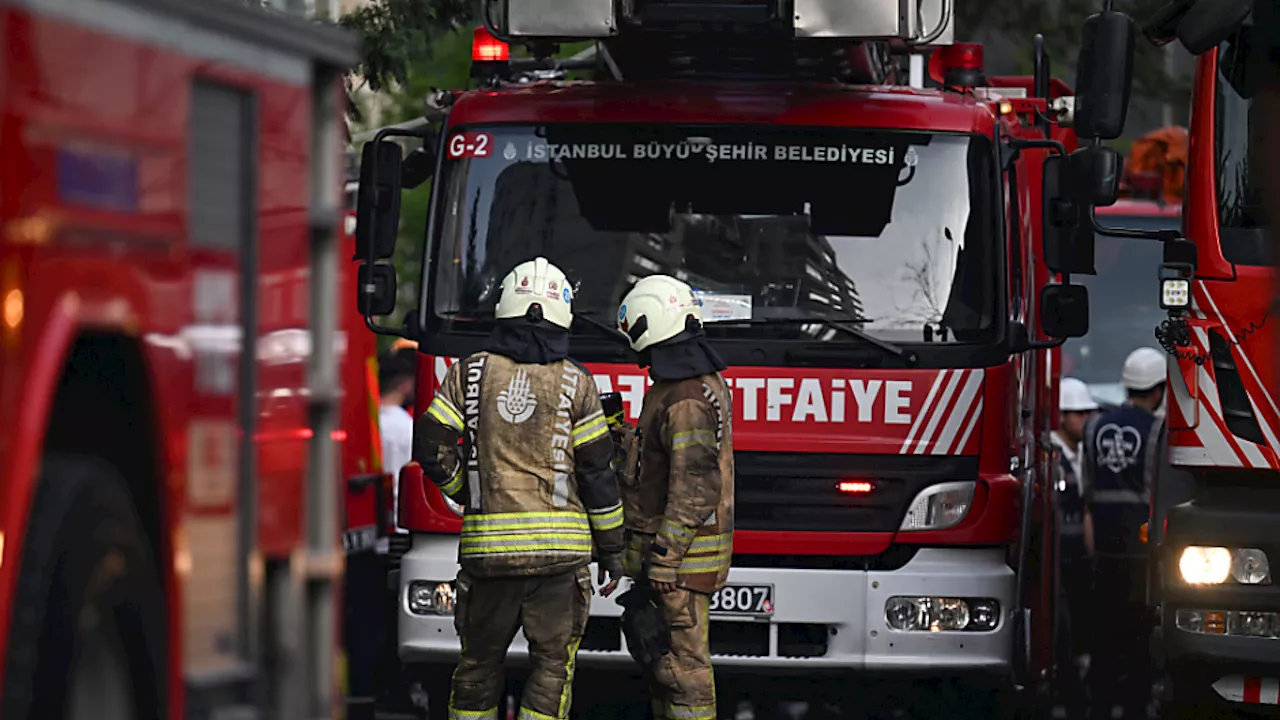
{"x": 854, "y": 487}
{"x": 487, "y": 48}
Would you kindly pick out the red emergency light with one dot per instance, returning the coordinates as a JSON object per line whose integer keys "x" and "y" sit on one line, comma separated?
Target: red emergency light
{"x": 854, "y": 487}
{"x": 487, "y": 48}
{"x": 958, "y": 65}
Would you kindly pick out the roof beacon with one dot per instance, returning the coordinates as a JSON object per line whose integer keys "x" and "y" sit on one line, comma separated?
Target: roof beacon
{"x": 486, "y": 48}
{"x": 958, "y": 66}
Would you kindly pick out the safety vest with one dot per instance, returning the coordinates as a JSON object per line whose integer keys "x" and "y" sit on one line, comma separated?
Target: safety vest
{"x": 1120, "y": 451}
{"x": 535, "y": 475}
{"x": 679, "y": 505}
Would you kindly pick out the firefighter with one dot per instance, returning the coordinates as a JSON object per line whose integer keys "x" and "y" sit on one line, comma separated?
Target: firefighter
{"x": 535, "y": 478}
{"x": 1075, "y": 405}
{"x": 1120, "y": 448}
{"x": 679, "y": 503}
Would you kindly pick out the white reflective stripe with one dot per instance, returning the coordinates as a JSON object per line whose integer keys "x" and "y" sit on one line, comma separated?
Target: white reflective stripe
{"x": 961, "y": 413}
{"x": 181, "y": 36}
{"x": 936, "y": 415}
{"x": 924, "y": 410}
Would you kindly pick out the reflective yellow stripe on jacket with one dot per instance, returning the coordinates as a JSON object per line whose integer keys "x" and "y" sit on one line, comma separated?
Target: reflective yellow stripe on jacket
{"x": 445, "y": 413}
{"x": 708, "y": 554}
{"x": 590, "y": 428}
{"x": 525, "y": 533}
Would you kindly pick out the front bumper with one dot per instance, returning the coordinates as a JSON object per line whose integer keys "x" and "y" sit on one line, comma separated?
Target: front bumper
{"x": 822, "y": 620}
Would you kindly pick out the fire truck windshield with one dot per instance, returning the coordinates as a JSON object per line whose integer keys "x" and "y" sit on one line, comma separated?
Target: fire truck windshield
{"x": 1123, "y": 310}
{"x": 778, "y": 228}
{"x": 1237, "y": 123}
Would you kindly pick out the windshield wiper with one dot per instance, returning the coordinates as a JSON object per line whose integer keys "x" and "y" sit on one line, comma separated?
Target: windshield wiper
{"x": 902, "y": 354}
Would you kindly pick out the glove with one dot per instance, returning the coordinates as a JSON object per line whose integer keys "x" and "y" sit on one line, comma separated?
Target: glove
{"x": 644, "y": 625}
{"x": 612, "y": 565}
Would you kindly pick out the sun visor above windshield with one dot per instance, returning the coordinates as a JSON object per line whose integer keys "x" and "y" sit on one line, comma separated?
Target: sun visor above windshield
{"x": 633, "y": 179}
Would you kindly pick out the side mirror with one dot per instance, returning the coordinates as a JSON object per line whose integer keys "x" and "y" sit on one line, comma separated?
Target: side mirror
{"x": 1104, "y": 75}
{"x": 1064, "y": 310}
{"x": 1095, "y": 176}
{"x": 376, "y": 290}
{"x": 378, "y": 206}
{"x": 1207, "y": 23}
{"x": 1068, "y": 237}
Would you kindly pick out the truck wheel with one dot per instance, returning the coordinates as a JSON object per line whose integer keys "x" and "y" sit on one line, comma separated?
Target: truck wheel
{"x": 86, "y": 639}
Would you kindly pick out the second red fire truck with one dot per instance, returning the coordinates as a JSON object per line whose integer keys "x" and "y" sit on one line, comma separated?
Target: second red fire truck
{"x": 875, "y": 261}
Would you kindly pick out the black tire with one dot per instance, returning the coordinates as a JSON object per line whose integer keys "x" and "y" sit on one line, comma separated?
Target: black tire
{"x": 87, "y": 586}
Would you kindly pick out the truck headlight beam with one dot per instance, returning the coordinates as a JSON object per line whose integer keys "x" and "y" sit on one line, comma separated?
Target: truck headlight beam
{"x": 1209, "y": 565}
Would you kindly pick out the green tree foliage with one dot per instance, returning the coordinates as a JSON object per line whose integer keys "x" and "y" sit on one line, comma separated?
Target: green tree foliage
{"x": 400, "y": 35}
{"x": 1060, "y": 22}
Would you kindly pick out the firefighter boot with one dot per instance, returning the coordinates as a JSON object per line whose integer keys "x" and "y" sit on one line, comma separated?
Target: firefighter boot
{"x": 683, "y": 684}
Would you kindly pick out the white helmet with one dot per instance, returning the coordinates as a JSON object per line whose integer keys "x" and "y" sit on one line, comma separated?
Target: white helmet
{"x": 656, "y": 310}
{"x": 1144, "y": 369}
{"x": 536, "y": 282}
{"x": 1074, "y": 396}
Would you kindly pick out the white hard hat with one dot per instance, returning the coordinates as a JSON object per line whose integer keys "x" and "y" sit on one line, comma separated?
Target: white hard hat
{"x": 656, "y": 310}
{"x": 536, "y": 282}
{"x": 1144, "y": 369}
{"x": 1074, "y": 396}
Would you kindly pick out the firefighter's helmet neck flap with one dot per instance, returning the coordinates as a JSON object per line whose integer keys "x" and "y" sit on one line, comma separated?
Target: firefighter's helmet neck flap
{"x": 662, "y": 319}
{"x": 534, "y": 313}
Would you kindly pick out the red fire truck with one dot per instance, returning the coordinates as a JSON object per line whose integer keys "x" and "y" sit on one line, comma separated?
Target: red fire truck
{"x": 1218, "y": 616}
{"x": 168, "y": 520}
{"x": 871, "y": 257}
{"x": 1215, "y": 597}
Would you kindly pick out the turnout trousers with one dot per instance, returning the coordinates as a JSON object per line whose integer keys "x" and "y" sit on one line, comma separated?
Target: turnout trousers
{"x": 553, "y": 611}
{"x": 682, "y": 684}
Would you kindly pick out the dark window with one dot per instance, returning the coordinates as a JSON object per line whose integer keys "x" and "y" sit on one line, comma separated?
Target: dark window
{"x": 1237, "y": 121}
{"x": 779, "y": 229}
{"x": 1124, "y": 306}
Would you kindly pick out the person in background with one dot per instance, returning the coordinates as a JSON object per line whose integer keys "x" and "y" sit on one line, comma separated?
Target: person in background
{"x": 396, "y": 376}
{"x": 1076, "y": 406}
{"x": 1120, "y": 449}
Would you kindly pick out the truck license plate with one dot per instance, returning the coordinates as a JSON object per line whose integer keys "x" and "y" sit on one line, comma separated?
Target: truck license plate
{"x": 743, "y": 600}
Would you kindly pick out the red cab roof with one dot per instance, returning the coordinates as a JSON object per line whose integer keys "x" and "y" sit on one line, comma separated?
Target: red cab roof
{"x": 715, "y": 102}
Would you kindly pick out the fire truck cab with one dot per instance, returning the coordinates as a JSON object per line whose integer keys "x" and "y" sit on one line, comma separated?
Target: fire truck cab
{"x": 883, "y": 265}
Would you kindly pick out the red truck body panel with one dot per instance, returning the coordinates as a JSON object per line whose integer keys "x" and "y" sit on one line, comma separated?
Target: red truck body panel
{"x": 95, "y": 129}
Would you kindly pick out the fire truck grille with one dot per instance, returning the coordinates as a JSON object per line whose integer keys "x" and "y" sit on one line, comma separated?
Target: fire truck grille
{"x": 799, "y": 491}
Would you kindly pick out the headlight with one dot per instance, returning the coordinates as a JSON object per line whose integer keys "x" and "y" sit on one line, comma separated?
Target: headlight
{"x": 939, "y": 614}
{"x": 430, "y": 597}
{"x": 1201, "y": 565}
{"x": 939, "y": 506}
